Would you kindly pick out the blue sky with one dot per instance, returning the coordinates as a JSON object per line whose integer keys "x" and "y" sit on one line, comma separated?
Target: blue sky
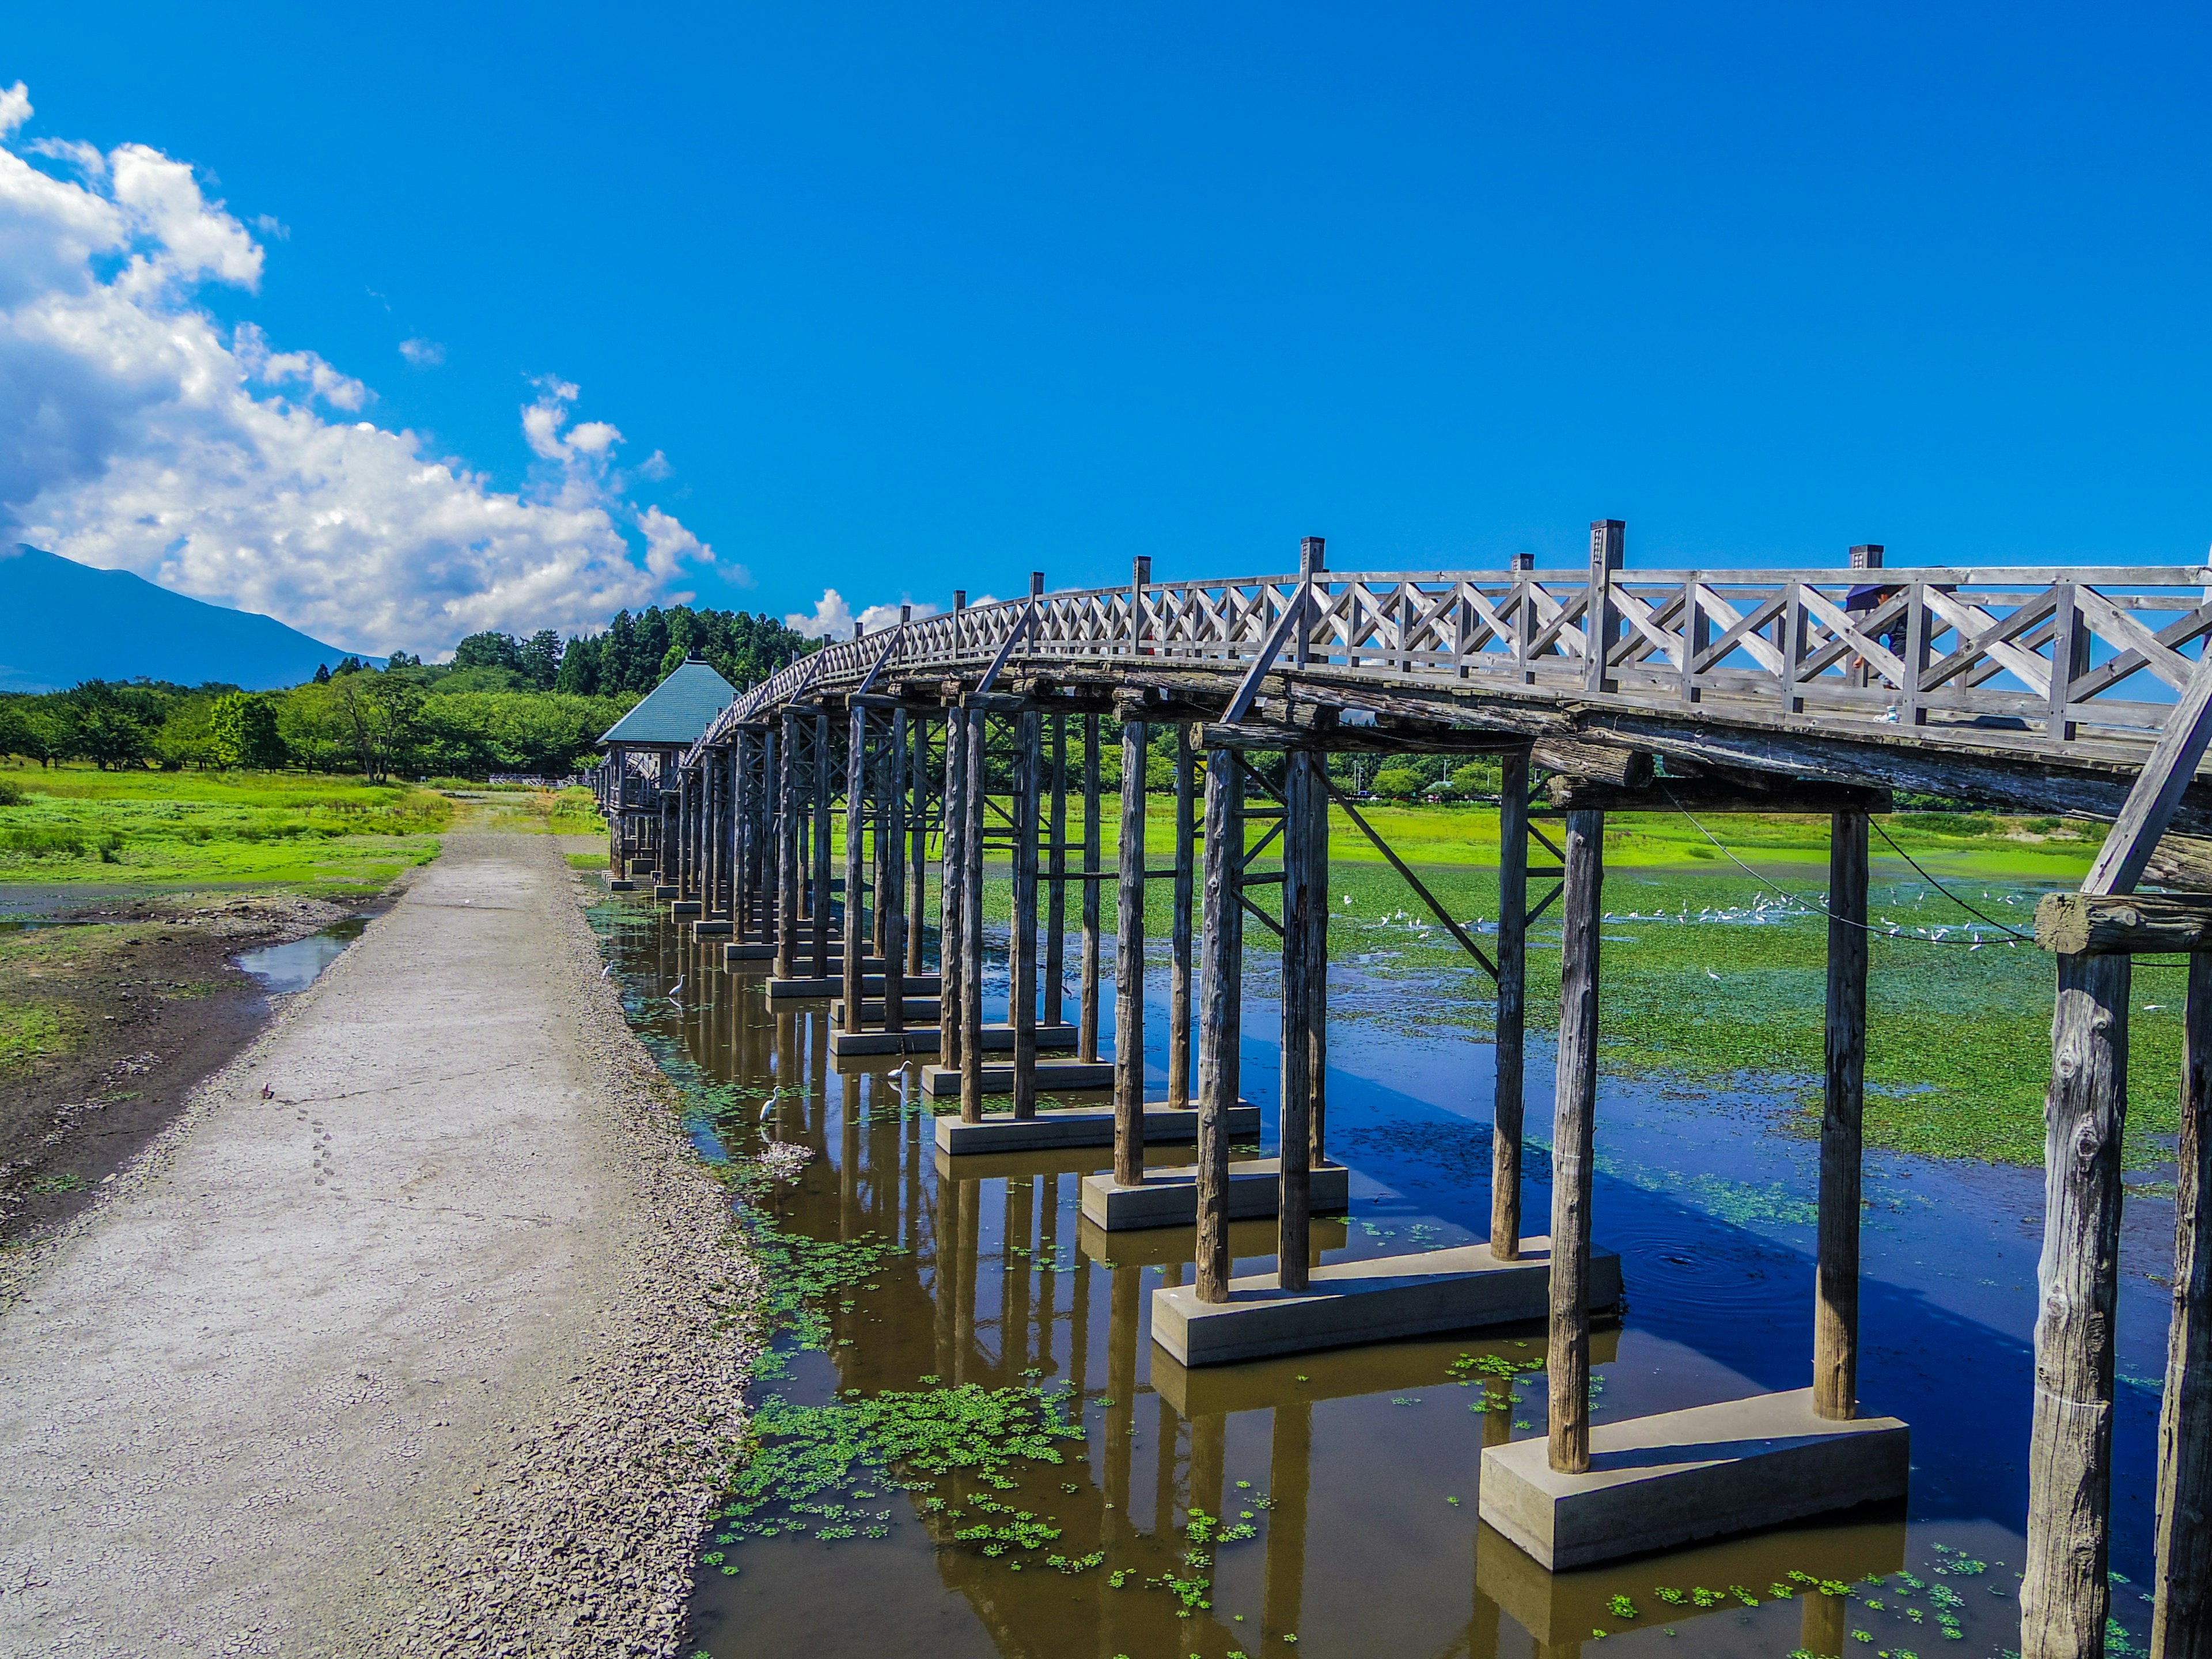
{"x": 911, "y": 299}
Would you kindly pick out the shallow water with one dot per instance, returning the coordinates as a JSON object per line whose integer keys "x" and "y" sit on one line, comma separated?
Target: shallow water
{"x": 284, "y": 969}
{"x": 1358, "y": 1548}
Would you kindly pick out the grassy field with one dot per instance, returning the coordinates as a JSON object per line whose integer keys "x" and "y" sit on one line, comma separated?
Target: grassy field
{"x": 271, "y": 831}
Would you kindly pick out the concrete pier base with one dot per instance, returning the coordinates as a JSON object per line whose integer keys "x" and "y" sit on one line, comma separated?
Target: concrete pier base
{"x": 1378, "y": 1300}
{"x": 1655, "y": 1482}
{"x": 621, "y": 884}
{"x": 927, "y": 1039}
{"x": 942, "y": 1082}
{"x": 684, "y": 907}
{"x": 710, "y": 927}
{"x": 1170, "y": 1198}
{"x": 920, "y": 1010}
{"x": 1061, "y": 1127}
{"x": 811, "y": 986}
{"x": 665, "y": 890}
{"x": 752, "y": 949}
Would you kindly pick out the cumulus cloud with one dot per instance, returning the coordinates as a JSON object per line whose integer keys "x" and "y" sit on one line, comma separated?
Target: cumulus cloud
{"x": 423, "y": 354}
{"x": 833, "y": 619}
{"x": 137, "y": 433}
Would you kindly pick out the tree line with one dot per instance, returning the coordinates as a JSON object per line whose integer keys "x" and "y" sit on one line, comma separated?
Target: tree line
{"x": 534, "y": 706}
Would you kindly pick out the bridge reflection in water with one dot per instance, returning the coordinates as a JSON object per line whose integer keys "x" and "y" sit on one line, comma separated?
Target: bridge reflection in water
{"x": 1345, "y": 1461}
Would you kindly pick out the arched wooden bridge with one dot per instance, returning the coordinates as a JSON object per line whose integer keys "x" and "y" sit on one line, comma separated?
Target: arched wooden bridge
{"x": 1598, "y": 689}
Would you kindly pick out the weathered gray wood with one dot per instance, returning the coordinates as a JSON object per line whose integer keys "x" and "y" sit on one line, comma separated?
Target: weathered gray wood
{"x": 1055, "y": 908}
{"x": 918, "y": 858}
{"x": 2181, "y": 1579}
{"x": 2180, "y": 860}
{"x": 1574, "y": 1118}
{"x": 824, "y": 788}
{"x": 2171, "y": 769}
{"x": 2129, "y": 924}
{"x": 1304, "y": 799}
{"x": 788, "y": 808}
{"x": 1709, "y": 795}
{"x": 1595, "y": 762}
{"x": 1509, "y": 1062}
{"x": 1129, "y": 965}
{"x": 1179, "y": 930}
{"x": 1022, "y": 941}
{"x": 971, "y": 919}
{"x": 1087, "y": 1016}
{"x": 1220, "y": 1015}
{"x": 951, "y": 958}
{"x": 1836, "y": 1271}
{"x": 856, "y": 817}
{"x": 890, "y": 898}
{"x": 2064, "y": 1596}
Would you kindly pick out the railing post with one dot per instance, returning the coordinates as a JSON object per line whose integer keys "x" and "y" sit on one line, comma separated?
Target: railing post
{"x": 1140, "y": 577}
{"x": 1310, "y": 550}
{"x": 1600, "y": 624}
{"x": 1524, "y": 615}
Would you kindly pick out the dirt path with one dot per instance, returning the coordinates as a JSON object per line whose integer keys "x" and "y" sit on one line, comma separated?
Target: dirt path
{"x": 403, "y": 1339}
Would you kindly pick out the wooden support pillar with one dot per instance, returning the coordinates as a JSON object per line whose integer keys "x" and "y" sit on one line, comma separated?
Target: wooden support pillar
{"x": 1179, "y": 929}
{"x": 1129, "y": 963}
{"x": 790, "y": 805}
{"x": 2181, "y": 1576}
{"x": 887, "y": 859}
{"x": 2065, "y": 1597}
{"x": 1022, "y": 941}
{"x": 1086, "y": 1008}
{"x": 856, "y": 930}
{"x": 918, "y": 855}
{"x": 824, "y": 788}
{"x": 952, "y": 957}
{"x": 1510, "y": 1054}
{"x": 770, "y": 862}
{"x": 1220, "y": 1015}
{"x": 1055, "y": 908}
{"x": 1305, "y": 1003}
{"x": 971, "y": 921}
{"x": 890, "y": 898}
{"x": 1574, "y": 1116}
{"x": 1835, "y": 1274}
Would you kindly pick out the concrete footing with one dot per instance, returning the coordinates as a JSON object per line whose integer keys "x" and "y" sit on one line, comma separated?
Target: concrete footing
{"x": 621, "y": 884}
{"x": 928, "y": 1039}
{"x": 1655, "y": 1482}
{"x": 667, "y": 890}
{"x": 942, "y": 1082}
{"x": 870, "y": 984}
{"x": 710, "y": 927}
{"x": 1378, "y": 1300}
{"x": 920, "y": 1010}
{"x": 684, "y": 906}
{"x": 1061, "y": 1127}
{"x": 1170, "y": 1199}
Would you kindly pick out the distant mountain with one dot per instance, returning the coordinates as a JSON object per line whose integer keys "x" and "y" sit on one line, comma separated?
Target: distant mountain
{"x": 66, "y": 622}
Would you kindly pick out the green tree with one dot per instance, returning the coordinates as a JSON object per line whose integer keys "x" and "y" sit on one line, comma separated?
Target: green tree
{"x": 243, "y": 732}
{"x": 1398, "y": 783}
{"x": 379, "y": 712}
{"x": 539, "y": 659}
{"x": 25, "y": 733}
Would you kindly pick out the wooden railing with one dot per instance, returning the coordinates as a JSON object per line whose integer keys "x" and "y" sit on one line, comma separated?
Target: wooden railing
{"x": 2084, "y": 659}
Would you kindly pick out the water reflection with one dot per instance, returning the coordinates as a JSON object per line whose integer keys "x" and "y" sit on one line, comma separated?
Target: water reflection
{"x": 1355, "y": 1470}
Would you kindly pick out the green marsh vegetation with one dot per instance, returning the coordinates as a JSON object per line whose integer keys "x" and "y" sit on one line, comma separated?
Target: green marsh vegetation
{"x": 284, "y": 831}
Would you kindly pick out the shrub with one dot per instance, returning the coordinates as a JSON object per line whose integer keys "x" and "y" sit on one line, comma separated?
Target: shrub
{"x": 1398, "y": 783}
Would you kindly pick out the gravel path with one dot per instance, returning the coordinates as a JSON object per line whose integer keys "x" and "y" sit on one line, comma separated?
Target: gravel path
{"x": 408, "y": 1338}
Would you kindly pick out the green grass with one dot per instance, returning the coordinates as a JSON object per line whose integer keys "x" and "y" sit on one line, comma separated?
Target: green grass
{"x": 271, "y": 830}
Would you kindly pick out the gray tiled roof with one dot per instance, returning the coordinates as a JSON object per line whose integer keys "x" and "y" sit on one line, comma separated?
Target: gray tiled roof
{"x": 676, "y": 710}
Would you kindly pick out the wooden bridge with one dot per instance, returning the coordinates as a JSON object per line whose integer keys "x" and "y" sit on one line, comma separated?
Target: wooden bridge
{"x": 1598, "y": 690}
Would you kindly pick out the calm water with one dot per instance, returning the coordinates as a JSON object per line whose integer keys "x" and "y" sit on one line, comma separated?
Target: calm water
{"x": 284, "y": 969}
{"x": 1347, "y": 1465}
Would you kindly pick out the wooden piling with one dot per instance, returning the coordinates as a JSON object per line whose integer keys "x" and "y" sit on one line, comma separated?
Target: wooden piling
{"x": 1055, "y": 868}
{"x": 2065, "y": 1597}
{"x": 787, "y": 876}
{"x": 1574, "y": 1115}
{"x": 2181, "y": 1577}
{"x": 1220, "y": 1015}
{"x": 1179, "y": 930}
{"x": 1086, "y": 1007}
{"x": 971, "y": 920}
{"x": 890, "y": 898}
{"x": 918, "y": 855}
{"x": 1305, "y": 890}
{"x": 824, "y": 789}
{"x": 1836, "y": 1273}
{"x": 951, "y": 958}
{"x": 856, "y": 929}
{"x": 1510, "y": 1054}
{"x": 1022, "y": 942}
{"x": 1129, "y": 964}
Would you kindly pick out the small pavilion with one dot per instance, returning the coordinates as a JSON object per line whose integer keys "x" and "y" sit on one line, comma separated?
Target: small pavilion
{"x": 643, "y": 749}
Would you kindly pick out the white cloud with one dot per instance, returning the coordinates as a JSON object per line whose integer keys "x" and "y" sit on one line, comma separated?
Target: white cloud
{"x": 423, "y": 354}
{"x": 136, "y": 433}
{"x": 833, "y": 618}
